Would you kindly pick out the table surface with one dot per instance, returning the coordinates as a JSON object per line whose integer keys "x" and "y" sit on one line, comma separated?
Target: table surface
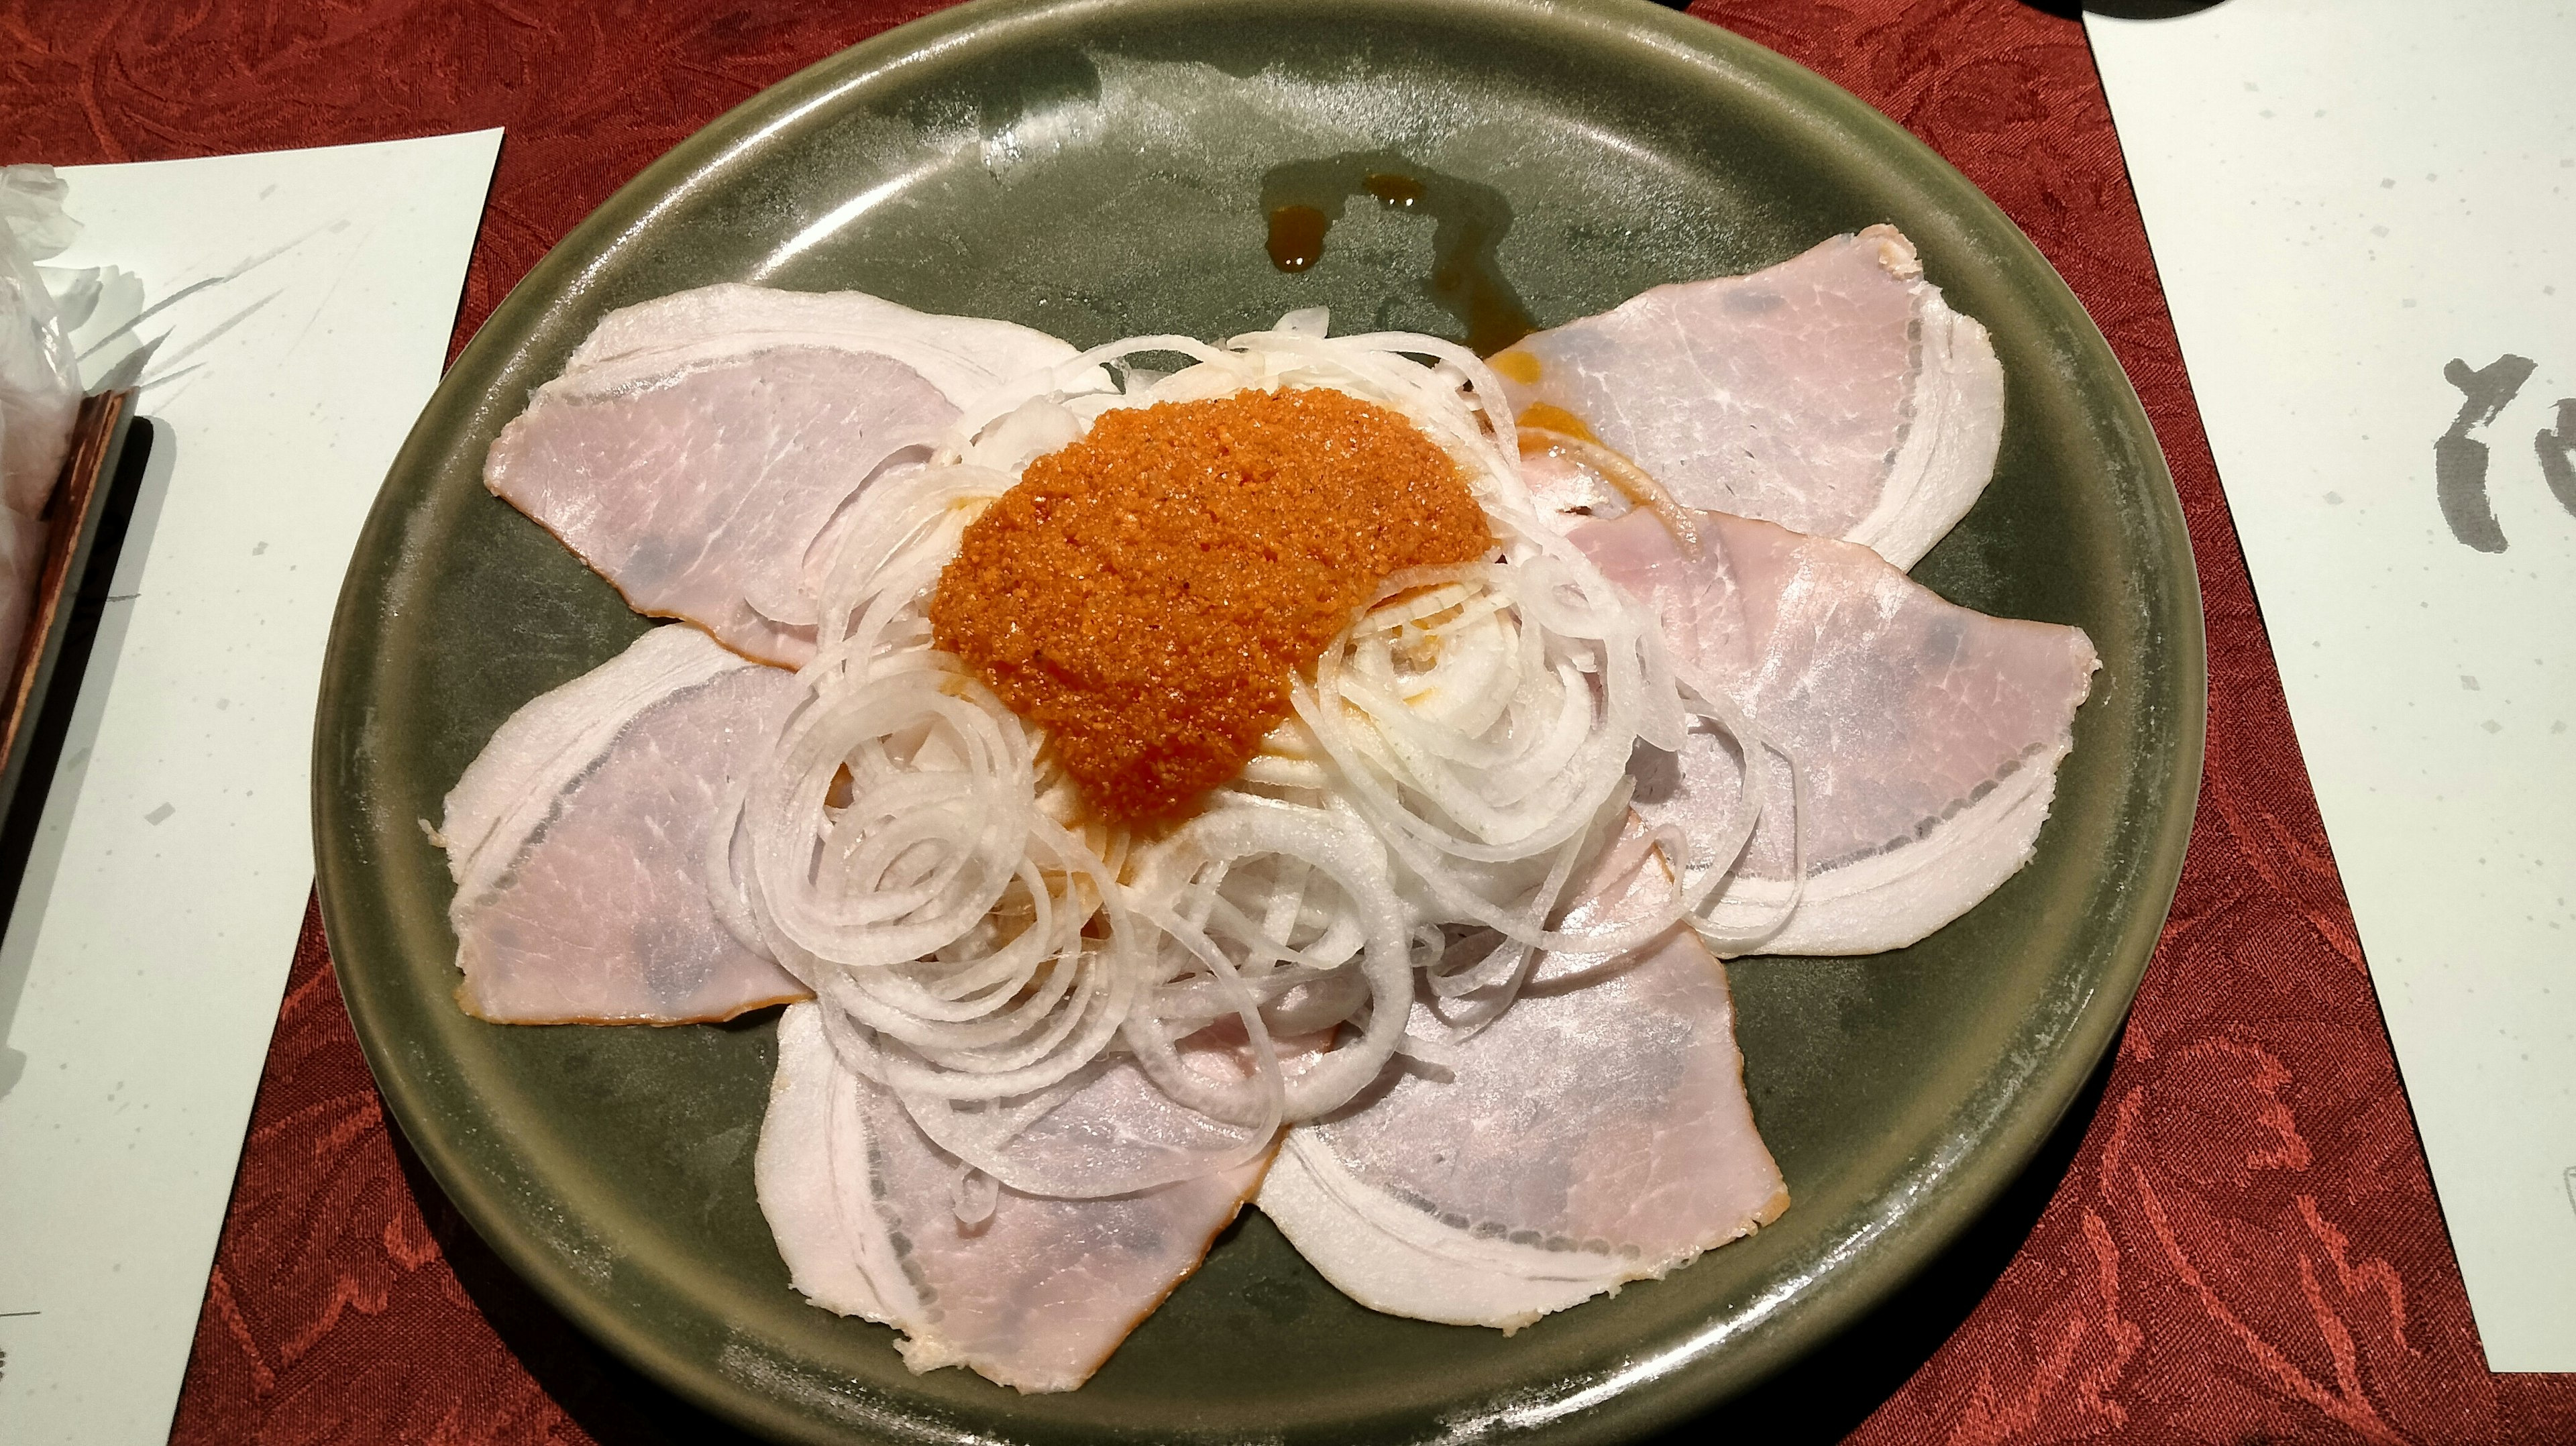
{"x": 2232, "y": 1239}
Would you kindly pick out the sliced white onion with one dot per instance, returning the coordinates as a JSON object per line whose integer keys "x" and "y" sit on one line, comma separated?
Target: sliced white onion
{"x": 908, "y": 848}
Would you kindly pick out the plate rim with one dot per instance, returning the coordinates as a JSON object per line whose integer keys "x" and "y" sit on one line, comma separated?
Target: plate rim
{"x": 1683, "y": 1382}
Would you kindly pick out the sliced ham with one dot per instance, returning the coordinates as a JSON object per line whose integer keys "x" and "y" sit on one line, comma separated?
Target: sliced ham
{"x": 699, "y": 446}
{"x": 579, "y": 841}
{"x": 964, "y": 357}
{"x": 1596, "y": 1132}
{"x": 700, "y": 494}
{"x": 1835, "y": 394}
{"x": 1035, "y": 1294}
{"x": 1928, "y": 735}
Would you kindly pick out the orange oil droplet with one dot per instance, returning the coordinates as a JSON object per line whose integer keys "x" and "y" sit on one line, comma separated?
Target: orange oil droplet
{"x": 1297, "y": 237}
{"x": 1555, "y": 419}
{"x": 1398, "y": 191}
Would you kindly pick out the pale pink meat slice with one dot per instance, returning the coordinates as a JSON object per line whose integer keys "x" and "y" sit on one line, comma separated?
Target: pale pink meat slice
{"x": 699, "y": 447}
{"x": 700, "y": 491}
{"x": 1928, "y": 734}
{"x": 580, "y": 837}
{"x": 1597, "y": 1132}
{"x": 1835, "y": 393}
{"x": 967, "y": 358}
{"x": 1037, "y": 1294}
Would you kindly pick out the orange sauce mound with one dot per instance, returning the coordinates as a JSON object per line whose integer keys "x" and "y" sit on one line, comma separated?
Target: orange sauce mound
{"x": 1145, "y": 594}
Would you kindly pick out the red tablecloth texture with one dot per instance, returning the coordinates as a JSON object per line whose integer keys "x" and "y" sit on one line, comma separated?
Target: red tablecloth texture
{"x": 2236, "y": 1242}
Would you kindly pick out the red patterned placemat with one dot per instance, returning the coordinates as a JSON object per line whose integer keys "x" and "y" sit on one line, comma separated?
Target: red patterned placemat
{"x": 2236, "y": 1243}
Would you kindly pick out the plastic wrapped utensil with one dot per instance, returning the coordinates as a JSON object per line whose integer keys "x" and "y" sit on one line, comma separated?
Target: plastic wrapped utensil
{"x": 39, "y": 377}
{"x": 40, "y": 392}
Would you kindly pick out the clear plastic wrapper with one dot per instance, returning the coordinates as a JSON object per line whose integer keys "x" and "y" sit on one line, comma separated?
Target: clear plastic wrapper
{"x": 40, "y": 391}
{"x": 39, "y": 376}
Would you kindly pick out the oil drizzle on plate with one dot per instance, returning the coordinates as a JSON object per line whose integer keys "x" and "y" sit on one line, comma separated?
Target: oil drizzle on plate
{"x": 1304, "y": 198}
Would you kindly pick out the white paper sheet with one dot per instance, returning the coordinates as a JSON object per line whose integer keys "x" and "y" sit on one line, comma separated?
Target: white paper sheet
{"x": 2344, "y": 196}
{"x": 306, "y": 302}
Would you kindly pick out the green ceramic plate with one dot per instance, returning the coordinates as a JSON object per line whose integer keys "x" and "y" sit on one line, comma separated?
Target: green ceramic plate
{"x": 1096, "y": 168}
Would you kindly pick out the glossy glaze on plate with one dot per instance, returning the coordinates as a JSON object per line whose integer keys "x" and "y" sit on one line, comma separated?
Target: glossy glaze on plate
{"x": 1095, "y": 170}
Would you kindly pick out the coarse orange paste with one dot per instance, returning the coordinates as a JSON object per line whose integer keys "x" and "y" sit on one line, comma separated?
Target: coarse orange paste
{"x": 1145, "y": 593}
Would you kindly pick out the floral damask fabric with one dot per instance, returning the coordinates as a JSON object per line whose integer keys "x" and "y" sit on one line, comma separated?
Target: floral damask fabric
{"x": 2245, "y": 1247}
